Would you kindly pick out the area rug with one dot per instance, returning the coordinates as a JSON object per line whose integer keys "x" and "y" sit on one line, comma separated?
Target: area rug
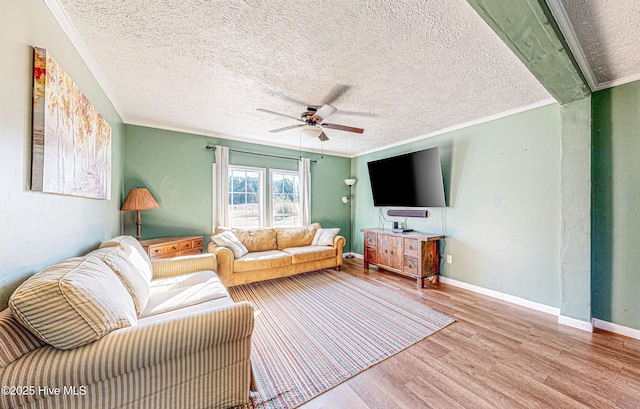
{"x": 316, "y": 330}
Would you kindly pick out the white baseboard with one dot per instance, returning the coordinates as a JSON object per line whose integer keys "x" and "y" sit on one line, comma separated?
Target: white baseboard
{"x": 575, "y": 323}
{"x": 562, "y": 319}
{"x": 618, "y": 329}
{"x": 502, "y": 296}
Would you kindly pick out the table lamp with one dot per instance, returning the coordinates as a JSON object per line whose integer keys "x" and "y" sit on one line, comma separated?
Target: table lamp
{"x": 139, "y": 199}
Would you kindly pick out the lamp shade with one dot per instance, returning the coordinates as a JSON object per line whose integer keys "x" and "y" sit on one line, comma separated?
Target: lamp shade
{"x": 139, "y": 199}
{"x": 350, "y": 182}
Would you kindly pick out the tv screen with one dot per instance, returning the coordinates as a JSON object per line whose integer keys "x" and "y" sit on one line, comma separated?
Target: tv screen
{"x": 410, "y": 180}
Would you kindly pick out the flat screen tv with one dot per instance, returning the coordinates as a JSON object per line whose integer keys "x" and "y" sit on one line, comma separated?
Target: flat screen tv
{"x": 410, "y": 180}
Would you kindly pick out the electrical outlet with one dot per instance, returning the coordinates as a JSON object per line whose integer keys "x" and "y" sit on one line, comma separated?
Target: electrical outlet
{"x": 449, "y": 259}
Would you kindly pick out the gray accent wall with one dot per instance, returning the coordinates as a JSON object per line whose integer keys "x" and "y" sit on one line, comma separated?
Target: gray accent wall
{"x": 502, "y": 185}
{"x": 39, "y": 229}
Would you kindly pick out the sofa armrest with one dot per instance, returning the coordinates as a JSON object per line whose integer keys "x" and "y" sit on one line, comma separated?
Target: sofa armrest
{"x": 338, "y": 243}
{"x": 225, "y": 258}
{"x": 169, "y": 267}
{"x": 132, "y": 349}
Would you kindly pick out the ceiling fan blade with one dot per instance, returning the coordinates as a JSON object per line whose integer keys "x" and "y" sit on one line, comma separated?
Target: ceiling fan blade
{"x": 342, "y": 127}
{"x": 323, "y": 113}
{"x": 286, "y": 128}
{"x": 323, "y": 137}
{"x": 278, "y": 113}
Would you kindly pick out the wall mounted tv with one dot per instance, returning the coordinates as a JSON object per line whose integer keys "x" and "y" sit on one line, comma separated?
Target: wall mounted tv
{"x": 410, "y": 180}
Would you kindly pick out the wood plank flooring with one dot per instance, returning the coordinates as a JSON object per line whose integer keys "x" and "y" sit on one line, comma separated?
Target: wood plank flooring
{"x": 497, "y": 355}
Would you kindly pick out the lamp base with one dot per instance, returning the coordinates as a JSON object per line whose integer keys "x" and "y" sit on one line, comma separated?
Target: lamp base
{"x": 138, "y": 223}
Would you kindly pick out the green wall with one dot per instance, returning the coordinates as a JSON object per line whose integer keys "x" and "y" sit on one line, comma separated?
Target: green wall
{"x": 615, "y": 221}
{"x": 39, "y": 229}
{"x": 177, "y": 169}
{"x": 502, "y": 183}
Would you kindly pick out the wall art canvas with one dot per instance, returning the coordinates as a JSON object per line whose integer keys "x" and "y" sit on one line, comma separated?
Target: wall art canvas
{"x": 71, "y": 140}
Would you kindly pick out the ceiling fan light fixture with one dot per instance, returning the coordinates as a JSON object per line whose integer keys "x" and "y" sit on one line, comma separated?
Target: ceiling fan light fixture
{"x": 310, "y": 131}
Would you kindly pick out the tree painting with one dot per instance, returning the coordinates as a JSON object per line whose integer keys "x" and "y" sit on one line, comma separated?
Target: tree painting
{"x": 71, "y": 140}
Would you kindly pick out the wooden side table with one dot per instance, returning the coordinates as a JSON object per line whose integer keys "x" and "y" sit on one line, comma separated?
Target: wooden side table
{"x": 165, "y": 247}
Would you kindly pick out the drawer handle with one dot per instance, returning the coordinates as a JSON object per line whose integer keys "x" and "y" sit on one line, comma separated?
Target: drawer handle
{"x": 386, "y": 251}
{"x": 187, "y": 245}
{"x": 157, "y": 250}
{"x": 410, "y": 247}
{"x": 391, "y": 251}
{"x": 410, "y": 266}
{"x": 174, "y": 248}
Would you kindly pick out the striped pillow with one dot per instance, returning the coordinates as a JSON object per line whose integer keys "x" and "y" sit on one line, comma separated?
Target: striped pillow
{"x": 73, "y": 303}
{"x": 135, "y": 253}
{"x": 133, "y": 281}
{"x": 228, "y": 239}
{"x": 15, "y": 339}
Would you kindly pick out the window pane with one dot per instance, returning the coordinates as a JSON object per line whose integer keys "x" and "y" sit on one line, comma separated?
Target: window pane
{"x": 285, "y": 199}
{"x": 244, "y": 197}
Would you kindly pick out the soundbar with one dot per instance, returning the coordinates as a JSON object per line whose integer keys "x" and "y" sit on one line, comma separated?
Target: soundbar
{"x": 408, "y": 213}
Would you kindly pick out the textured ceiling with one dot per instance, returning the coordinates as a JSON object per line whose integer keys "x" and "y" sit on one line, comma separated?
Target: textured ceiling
{"x": 604, "y": 36}
{"x": 398, "y": 69}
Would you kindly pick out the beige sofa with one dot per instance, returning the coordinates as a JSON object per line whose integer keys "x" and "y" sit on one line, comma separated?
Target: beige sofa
{"x": 113, "y": 329}
{"x": 273, "y": 253}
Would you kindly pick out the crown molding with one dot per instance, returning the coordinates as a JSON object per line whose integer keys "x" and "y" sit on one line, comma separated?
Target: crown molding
{"x": 562, "y": 18}
{"x": 490, "y": 118}
{"x": 76, "y": 40}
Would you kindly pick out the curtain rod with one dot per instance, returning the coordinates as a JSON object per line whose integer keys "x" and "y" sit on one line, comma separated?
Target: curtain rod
{"x": 261, "y": 154}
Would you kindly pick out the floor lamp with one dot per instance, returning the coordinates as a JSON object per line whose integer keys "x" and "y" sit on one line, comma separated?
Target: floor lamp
{"x": 350, "y": 183}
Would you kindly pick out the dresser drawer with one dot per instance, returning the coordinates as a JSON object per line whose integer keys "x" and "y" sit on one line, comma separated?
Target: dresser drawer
{"x": 165, "y": 247}
{"x": 157, "y": 251}
{"x": 370, "y": 254}
{"x": 370, "y": 239}
{"x": 410, "y": 265}
{"x": 186, "y": 245}
{"x": 411, "y": 246}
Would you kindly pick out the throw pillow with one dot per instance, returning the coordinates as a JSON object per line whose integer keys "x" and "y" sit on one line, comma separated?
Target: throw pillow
{"x": 135, "y": 283}
{"x": 134, "y": 252}
{"x": 73, "y": 303}
{"x": 229, "y": 240}
{"x": 324, "y": 237}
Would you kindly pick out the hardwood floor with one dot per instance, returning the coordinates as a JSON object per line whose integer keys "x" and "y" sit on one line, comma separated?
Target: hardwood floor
{"x": 496, "y": 355}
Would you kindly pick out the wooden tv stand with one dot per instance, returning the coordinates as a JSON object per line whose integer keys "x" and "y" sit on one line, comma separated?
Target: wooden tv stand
{"x": 412, "y": 254}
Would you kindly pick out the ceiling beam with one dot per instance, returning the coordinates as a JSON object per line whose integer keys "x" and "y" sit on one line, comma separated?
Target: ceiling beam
{"x": 527, "y": 27}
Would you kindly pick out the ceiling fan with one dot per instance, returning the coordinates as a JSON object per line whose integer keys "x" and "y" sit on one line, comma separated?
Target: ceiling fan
{"x": 313, "y": 122}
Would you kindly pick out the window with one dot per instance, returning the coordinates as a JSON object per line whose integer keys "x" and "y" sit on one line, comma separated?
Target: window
{"x": 286, "y": 202}
{"x": 246, "y": 203}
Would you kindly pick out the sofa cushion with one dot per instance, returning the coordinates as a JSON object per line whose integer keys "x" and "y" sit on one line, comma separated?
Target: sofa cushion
{"x": 15, "y": 339}
{"x": 253, "y": 239}
{"x": 259, "y": 260}
{"x": 173, "y": 293}
{"x": 295, "y": 236}
{"x": 229, "y": 240}
{"x": 310, "y": 253}
{"x": 73, "y": 303}
{"x": 135, "y": 283}
{"x": 135, "y": 253}
{"x": 324, "y": 237}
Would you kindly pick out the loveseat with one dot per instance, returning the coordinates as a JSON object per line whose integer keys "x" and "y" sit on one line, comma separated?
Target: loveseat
{"x": 274, "y": 252}
{"x": 113, "y": 329}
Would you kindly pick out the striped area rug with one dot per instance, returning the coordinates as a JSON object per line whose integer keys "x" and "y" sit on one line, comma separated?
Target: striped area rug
{"x": 316, "y": 330}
